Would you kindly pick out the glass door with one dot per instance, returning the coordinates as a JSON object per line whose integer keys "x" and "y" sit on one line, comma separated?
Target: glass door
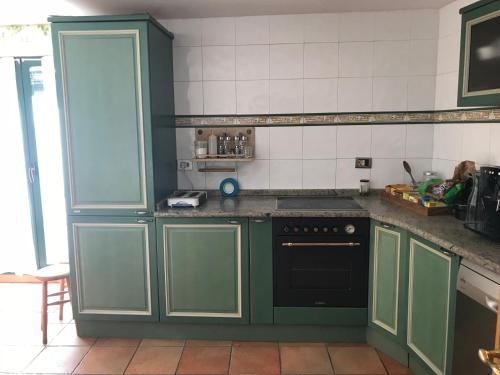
{"x": 17, "y": 229}
{"x": 33, "y": 233}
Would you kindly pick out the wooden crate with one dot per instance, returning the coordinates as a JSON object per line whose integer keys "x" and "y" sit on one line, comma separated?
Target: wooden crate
{"x": 414, "y": 207}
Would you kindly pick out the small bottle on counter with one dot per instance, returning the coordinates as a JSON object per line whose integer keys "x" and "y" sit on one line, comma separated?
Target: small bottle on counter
{"x": 364, "y": 187}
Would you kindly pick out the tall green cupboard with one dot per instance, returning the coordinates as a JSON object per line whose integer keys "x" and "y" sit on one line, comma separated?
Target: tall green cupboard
{"x": 114, "y": 80}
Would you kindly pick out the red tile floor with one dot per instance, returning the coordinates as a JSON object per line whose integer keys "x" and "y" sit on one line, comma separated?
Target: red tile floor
{"x": 21, "y": 350}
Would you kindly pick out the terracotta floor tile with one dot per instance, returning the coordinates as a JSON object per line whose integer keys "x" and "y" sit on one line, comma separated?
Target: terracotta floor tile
{"x": 348, "y": 344}
{"x": 253, "y": 359}
{"x": 155, "y": 360}
{"x": 69, "y": 337}
{"x": 105, "y": 360}
{"x": 392, "y": 366}
{"x": 255, "y": 343}
{"x": 305, "y": 360}
{"x": 117, "y": 342}
{"x": 162, "y": 342}
{"x": 207, "y": 343}
{"x": 285, "y": 343}
{"x": 356, "y": 361}
{"x": 204, "y": 360}
{"x": 57, "y": 360}
{"x": 16, "y": 358}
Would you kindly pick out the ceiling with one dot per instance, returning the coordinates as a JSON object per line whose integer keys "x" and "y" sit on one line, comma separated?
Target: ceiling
{"x": 36, "y": 11}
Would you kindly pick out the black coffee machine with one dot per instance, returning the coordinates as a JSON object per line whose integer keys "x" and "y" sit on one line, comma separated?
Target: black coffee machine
{"x": 483, "y": 213}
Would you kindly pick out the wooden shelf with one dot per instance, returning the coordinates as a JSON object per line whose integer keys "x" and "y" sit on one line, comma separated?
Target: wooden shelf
{"x": 222, "y": 160}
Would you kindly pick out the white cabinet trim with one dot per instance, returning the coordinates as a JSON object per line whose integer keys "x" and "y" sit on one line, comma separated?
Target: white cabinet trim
{"x": 412, "y": 345}
{"x": 169, "y": 312}
{"x": 76, "y": 226}
{"x": 73, "y": 201}
{"x": 393, "y": 330}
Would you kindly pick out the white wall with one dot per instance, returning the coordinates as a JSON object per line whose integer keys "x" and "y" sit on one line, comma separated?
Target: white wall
{"x": 315, "y": 157}
{"x": 379, "y": 61}
{"x": 347, "y": 62}
{"x": 456, "y": 142}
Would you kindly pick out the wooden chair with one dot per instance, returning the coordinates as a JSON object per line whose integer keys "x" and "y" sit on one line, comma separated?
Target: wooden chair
{"x": 52, "y": 273}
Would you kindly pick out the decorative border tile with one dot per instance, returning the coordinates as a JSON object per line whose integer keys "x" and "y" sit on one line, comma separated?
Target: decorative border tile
{"x": 422, "y": 117}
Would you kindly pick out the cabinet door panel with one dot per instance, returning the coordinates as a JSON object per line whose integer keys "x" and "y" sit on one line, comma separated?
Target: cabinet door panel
{"x": 114, "y": 268}
{"x": 103, "y": 116}
{"x": 205, "y": 271}
{"x": 388, "y": 274}
{"x": 431, "y": 304}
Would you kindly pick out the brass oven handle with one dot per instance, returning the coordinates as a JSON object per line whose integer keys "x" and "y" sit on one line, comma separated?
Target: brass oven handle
{"x": 320, "y": 244}
{"x": 488, "y": 357}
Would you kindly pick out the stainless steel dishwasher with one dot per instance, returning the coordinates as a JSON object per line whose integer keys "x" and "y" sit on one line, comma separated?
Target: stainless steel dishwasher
{"x": 476, "y": 316}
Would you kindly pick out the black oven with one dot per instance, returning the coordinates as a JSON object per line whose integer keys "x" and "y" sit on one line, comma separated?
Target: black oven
{"x": 321, "y": 262}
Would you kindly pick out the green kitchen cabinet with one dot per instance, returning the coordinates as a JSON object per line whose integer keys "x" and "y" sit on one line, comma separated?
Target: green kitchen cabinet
{"x": 115, "y": 90}
{"x": 203, "y": 270}
{"x": 388, "y": 280}
{"x": 478, "y": 62}
{"x": 432, "y": 276}
{"x": 261, "y": 271}
{"x": 113, "y": 268}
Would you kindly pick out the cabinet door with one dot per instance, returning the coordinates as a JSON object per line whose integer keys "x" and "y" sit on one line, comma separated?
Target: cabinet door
{"x": 431, "y": 304}
{"x": 203, "y": 270}
{"x": 113, "y": 267}
{"x": 104, "y": 96}
{"x": 388, "y": 274}
{"x": 261, "y": 271}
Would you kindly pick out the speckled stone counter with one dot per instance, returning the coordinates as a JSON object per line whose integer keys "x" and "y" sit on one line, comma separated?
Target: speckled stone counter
{"x": 445, "y": 231}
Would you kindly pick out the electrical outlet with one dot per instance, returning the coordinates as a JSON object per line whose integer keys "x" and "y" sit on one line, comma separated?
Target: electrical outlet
{"x": 184, "y": 165}
{"x": 363, "y": 163}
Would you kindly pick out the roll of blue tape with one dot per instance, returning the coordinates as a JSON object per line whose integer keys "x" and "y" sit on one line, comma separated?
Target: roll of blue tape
{"x": 229, "y": 187}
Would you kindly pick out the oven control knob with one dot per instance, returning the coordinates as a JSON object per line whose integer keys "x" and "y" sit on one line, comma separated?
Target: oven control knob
{"x": 350, "y": 229}
{"x": 315, "y": 229}
{"x": 286, "y": 229}
{"x": 335, "y": 229}
{"x": 306, "y": 229}
{"x": 325, "y": 229}
{"x": 296, "y": 229}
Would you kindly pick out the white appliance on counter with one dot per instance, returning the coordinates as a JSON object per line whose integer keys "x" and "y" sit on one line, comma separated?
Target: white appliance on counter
{"x": 186, "y": 199}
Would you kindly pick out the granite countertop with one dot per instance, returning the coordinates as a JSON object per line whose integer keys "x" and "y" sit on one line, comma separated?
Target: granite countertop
{"x": 445, "y": 231}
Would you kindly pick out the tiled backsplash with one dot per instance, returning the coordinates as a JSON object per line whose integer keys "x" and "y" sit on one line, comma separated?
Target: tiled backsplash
{"x": 347, "y": 62}
{"x": 457, "y": 142}
{"x": 448, "y": 54}
{"x": 319, "y": 157}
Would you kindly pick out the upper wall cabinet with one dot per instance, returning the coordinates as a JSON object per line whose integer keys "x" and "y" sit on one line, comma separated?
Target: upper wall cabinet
{"x": 114, "y": 78}
{"x": 479, "y": 81}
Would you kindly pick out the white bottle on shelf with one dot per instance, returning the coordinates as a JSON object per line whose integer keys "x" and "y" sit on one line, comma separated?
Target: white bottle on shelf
{"x": 212, "y": 145}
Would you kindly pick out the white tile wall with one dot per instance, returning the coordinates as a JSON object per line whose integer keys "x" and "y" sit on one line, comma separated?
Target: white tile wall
{"x": 456, "y": 142}
{"x": 381, "y": 61}
{"x": 322, "y": 157}
{"x": 448, "y": 54}
{"x": 367, "y": 45}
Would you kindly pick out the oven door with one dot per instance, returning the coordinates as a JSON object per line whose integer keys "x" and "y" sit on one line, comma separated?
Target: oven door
{"x": 320, "y": 271}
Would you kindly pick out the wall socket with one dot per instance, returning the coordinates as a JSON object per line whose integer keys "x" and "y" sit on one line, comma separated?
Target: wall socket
{"x": 184, "y": 165}
{"x": 363, "y": 163}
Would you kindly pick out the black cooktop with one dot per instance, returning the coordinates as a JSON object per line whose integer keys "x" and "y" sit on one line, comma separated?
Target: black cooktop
{"x": 317, "y": 203}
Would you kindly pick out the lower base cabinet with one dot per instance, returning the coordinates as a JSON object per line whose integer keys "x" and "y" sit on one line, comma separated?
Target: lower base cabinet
{"x": 431, "y": 304}
{"x": 412, "y": 297}
{"x": 113, "y": 264}
{"x": 203, "y": 270}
